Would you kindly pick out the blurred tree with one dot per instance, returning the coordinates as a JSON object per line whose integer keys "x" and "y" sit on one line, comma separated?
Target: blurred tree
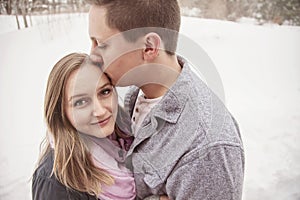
{"x": 276, "y": 11}
{"x": 25, "y": 8}
{"x": 8, "y": 7}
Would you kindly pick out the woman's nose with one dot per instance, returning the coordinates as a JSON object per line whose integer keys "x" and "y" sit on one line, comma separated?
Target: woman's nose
{"x": 98, "y": 110}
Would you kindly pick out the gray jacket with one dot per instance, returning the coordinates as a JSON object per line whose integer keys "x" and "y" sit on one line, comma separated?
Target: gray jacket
{"x": 189, "y": 146}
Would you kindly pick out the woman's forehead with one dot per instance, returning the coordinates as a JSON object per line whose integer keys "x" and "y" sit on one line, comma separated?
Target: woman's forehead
{"x": 86, "y": 78}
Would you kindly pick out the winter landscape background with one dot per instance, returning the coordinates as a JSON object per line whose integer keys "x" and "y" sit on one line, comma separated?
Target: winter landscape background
{"x": 259, "y": 67}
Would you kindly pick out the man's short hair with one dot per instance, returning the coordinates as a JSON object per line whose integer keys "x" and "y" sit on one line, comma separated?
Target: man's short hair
{"x": 162, "y": 15}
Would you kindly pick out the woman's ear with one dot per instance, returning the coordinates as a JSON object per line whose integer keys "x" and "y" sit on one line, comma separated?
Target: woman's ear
{"x": 152, "y": 45}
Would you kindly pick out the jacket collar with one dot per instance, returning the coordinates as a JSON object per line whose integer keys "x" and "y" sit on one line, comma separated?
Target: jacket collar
{"x": 173, "y": 102}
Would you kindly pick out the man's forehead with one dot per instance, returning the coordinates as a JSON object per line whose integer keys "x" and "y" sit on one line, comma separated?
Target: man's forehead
{"x": 108, "y": 36}
{"x": 97, "y": 24}
{"x": 99, "y": 10}
{"x": 98, "y": 28}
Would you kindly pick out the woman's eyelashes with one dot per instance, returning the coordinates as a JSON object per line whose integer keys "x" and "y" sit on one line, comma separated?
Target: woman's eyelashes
{"x": 105, "y": 91}
{"x": 81, "y": 102}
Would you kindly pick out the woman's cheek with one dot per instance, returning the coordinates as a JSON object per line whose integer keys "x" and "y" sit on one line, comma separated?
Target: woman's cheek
{"x": 81, "y": 117}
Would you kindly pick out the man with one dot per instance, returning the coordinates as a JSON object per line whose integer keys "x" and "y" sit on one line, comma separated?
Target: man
{"x": 187, "y": 145}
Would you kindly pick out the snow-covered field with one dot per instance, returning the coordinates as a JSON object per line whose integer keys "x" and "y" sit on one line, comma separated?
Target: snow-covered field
{"x": 259, "y": 67}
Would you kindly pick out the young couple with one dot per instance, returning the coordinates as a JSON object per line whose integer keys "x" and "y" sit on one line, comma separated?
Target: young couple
{"x": 174, "y": 139}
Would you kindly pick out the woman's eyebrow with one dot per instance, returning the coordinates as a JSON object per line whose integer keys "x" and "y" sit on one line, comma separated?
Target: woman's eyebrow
{"x": 84, "y": 94}
{"x": 104, "y": 85}
{"x": 76, "y": 96}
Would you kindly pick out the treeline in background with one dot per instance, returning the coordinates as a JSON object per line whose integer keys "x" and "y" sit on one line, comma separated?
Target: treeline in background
{"x": 263, "y": 11}
{"x": 27, "y": 8}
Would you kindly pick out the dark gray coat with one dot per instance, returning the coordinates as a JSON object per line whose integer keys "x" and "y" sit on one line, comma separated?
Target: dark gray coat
{"x": 46, "y": 187}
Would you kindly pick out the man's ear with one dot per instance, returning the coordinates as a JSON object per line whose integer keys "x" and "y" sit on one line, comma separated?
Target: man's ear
{"x": 152, "y": 45}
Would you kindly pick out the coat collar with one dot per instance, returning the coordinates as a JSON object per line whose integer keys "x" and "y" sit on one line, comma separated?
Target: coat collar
{"x": 173, "y": 102}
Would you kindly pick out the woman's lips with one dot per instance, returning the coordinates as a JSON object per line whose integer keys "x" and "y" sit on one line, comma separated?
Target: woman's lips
{"x": 102, "y": 122}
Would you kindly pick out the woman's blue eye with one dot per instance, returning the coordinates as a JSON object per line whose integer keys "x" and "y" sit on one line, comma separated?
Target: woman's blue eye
{"x": 80, "y": 102}
{"x": 105, "y": 92}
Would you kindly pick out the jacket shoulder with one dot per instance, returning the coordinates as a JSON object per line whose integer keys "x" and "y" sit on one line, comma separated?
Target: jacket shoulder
{"x": 45, "y": 186}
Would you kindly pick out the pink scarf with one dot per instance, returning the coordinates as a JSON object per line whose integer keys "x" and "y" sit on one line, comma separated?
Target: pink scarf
{"x": 109, "y": 154}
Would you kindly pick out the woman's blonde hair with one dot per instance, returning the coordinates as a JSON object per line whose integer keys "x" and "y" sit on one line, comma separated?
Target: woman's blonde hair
{"x": 73, "y": 165}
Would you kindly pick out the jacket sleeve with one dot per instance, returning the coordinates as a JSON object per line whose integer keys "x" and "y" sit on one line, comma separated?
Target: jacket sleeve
{"x": 214, "y": 174}
{"x": 44, "y": 188}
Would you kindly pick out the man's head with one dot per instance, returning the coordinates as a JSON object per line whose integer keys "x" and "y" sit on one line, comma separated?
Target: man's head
{"x": 111, "y": 17}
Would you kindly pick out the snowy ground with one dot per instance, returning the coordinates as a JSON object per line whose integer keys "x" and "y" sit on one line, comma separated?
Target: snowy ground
{"x": 259, "y": 67}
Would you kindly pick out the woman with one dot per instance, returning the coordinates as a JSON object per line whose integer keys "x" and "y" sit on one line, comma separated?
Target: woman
{"x": 84, "y": 152}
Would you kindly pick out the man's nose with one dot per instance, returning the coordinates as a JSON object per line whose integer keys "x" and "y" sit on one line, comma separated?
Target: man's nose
{"x": 96, "y": 57}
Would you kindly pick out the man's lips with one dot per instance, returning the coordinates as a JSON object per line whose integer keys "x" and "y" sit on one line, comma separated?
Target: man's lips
{"x": 102, "y": 122}
{"x": 96, "y": 58}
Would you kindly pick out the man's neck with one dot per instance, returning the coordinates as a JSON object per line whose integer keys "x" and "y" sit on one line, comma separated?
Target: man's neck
{"x": 153, "y": 91}
{"x": 161, "y": 76}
